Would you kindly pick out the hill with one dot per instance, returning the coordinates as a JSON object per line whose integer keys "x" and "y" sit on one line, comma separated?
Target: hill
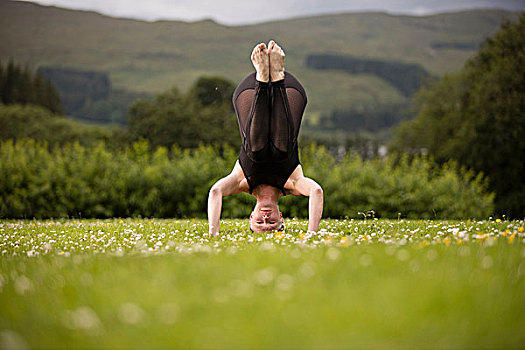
{"x": 150, "y": 57}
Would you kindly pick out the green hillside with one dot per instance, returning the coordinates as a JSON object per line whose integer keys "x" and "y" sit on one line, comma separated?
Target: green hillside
{"x": 153, "y": 56}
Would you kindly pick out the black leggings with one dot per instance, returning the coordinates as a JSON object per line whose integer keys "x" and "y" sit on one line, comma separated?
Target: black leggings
{"x": 269, "y": 112}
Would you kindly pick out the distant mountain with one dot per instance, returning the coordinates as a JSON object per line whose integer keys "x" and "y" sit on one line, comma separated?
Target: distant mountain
{"x": 151, "y": 57}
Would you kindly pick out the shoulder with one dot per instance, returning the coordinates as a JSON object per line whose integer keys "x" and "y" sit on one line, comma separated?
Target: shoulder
{"x": 238, "y": 174}
{"x": 291, "y": 183}
{"x": 233, "y": 183}
{"x": 237, "y": 170}
{"x": 300, "y": 185}
{"x": 297, "y": 173}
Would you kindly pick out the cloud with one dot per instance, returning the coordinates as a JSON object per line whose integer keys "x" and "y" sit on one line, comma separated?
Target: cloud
{"x": 236, "y": 12}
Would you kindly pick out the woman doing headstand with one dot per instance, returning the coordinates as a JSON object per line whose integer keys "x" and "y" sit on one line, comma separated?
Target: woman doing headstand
{"x": 269, "y": 105}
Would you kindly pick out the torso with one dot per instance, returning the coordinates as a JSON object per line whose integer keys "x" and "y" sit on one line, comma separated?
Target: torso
{"x": 269, "y": 166}
{"x": 289, "y": 186}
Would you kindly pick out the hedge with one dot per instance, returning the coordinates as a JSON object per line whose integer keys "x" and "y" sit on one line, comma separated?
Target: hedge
{"x": 40, "y": 181}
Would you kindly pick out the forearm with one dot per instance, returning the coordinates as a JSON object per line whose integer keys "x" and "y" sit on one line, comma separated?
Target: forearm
{"x": 315, "y": 209}
{"x": 214, "y": 211}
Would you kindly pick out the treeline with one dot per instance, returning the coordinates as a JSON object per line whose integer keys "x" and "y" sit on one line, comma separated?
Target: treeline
{"x": 89, "y": 96}
{"x": 31, "y": 121}
{"x": 18, "y": 85}
{"x": 477, "y": 116}
{"x": 371, "y": 118}
{"x": 455, "y": 45}
{"x": 407, "y": 78}
{"x": 202, "y": 115}
{"x": 76, "y": 181}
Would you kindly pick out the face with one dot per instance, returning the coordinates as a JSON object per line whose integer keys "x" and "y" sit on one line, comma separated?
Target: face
{"x": 265, "y": 220}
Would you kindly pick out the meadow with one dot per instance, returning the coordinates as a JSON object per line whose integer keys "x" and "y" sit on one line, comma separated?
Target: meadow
{"x": 368, "y": 283}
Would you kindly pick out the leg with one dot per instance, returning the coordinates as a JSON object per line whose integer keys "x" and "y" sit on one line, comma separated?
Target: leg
{"x": 288, "y": 102}
{"x": 251, "y": 103}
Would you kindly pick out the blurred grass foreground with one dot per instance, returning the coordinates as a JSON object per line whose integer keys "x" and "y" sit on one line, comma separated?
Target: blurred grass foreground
{"x": 355, "y": 284}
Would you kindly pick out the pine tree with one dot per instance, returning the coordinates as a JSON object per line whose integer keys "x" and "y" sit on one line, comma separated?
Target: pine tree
{"x": 19, "y": 86}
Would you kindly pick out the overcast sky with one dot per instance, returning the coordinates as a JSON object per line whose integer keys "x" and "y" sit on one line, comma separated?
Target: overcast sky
{"x": 235, "y": 12}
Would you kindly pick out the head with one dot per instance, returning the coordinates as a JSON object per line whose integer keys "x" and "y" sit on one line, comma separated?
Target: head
{"x": 266, "y": 218}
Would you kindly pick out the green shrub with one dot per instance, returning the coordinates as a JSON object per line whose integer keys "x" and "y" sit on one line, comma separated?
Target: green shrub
{"x": 30, "y": 121}
{"x": 78, "y": 181}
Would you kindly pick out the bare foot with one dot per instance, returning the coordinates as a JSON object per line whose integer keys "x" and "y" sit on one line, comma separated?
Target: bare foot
{"x": 276, "y": 61}
{"x": 260, "y": 61}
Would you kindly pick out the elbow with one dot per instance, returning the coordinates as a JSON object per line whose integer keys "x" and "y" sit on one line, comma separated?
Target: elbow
{"x": 215, "y": 192}
{"x": 317, "y": 191}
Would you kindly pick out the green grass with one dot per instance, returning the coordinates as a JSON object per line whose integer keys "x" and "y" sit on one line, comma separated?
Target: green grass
{"x": 356, "y": 284}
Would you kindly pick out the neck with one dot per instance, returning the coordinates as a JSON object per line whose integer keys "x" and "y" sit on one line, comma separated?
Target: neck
{"x": 266, "y": 195}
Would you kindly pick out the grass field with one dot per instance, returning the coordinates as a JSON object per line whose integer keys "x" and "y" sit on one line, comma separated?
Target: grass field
{"x": 356, "y": 284}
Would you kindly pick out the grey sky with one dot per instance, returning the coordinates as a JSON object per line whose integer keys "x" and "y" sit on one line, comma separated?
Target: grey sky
{"x": 236, "y": 12}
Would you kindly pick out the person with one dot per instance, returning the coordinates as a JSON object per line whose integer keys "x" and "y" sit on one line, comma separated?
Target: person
{"x": 269, "y": 105}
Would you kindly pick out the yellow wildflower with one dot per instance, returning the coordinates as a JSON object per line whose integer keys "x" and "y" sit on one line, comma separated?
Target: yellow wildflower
{"x": 520, "y": 229}
{"x": 447, "y": 240}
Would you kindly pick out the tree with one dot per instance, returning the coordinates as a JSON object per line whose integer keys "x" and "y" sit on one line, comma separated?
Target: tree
{"x": 45, "y": 94}
{"x": 214, "y": 90}
{"x": 19, "y": 86}
{"x": 477, "y": 116}
{"x": 202, "y": 115}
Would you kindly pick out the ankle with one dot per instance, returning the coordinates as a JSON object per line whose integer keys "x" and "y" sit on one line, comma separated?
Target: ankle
{"x": 277, "y": 76}
{"x": 262, "y": 77}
